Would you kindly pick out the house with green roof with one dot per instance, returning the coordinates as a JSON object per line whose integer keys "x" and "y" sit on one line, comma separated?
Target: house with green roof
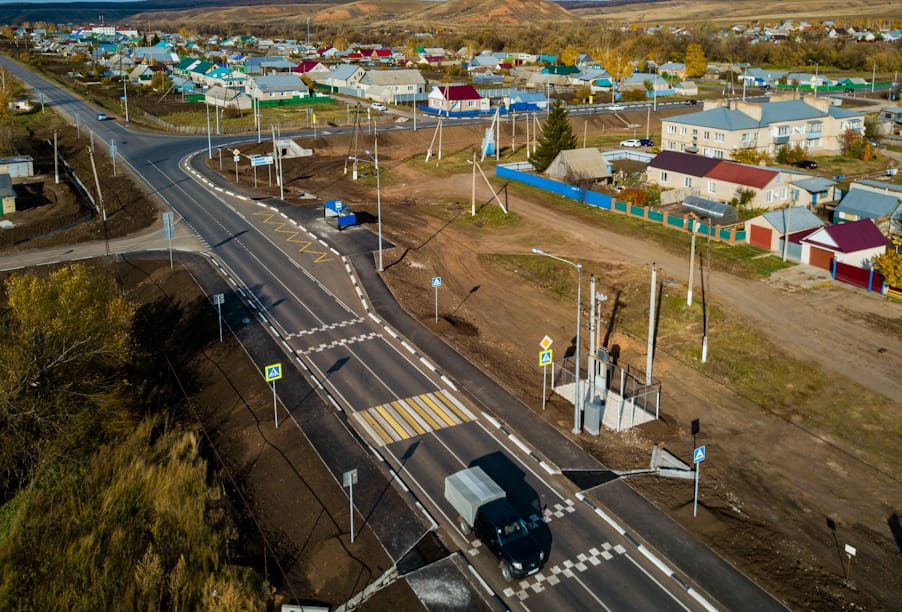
{"x": 725, "y": 126}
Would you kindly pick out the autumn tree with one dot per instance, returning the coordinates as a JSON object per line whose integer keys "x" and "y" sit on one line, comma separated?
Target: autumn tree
{"x": 64, "y": 338}
{"x": 569, "y": 56}
{"x": 557, "y": 136}
{"x": 696, "y": 62}
{"x": 750, "y": 156}
{"x": 889, "y": 264}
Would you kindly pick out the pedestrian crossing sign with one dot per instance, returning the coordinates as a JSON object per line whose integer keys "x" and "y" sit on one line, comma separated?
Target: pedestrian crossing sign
{"x": 273, "y": 372}
{"x": 545, "y": 358}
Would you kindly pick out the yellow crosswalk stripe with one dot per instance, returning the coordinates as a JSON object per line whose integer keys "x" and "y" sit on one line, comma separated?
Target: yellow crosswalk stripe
{"x": 424, "y": 414}
{"x": 392, "y": 422}
{"x": 413, "y": 416}
{"x": 408, "y": 417}
{"x": 438, "y": 411}
{"x": 376, "y": 426}
{"x": 445, "y": 400}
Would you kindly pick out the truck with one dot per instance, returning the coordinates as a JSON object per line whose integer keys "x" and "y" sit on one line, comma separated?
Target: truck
{"x": 482, "y": 508}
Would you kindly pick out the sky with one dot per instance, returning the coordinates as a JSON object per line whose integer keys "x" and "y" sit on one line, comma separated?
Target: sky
{"x": 61, "y": 1}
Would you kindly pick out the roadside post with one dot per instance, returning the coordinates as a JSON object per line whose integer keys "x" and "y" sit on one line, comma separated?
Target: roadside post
{"x": 546, "y": 358}
{"x": 112, "y": 153}
{"x": 236, "y": 157}
{"x": 273, "y": 372}
{"x": 349, "y": 479}
{"x": 219, "y": 150}
{"x": 698, "y": 455}
{"x": 169, "y": 232}
{"x": 218, "y": 299}
{"x": 850, "y": 552}
{"x": 436, "y": 283}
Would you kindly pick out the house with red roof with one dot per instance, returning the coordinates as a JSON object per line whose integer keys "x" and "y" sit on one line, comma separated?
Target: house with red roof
{"x": 719, "y": 180}
{"x": 310, "y": 66}
{"x": 855, "y": 244}
{"x": 379, "y": 55}
{"x": 457, "y": 99}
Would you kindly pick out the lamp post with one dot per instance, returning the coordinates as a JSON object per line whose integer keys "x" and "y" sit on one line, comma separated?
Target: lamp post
{"x": 375, "y": 161}
{"x": 578, "y": 399}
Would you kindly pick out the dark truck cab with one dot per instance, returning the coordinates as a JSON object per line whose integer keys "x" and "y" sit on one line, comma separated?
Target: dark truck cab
{"x": 483, "y": 507}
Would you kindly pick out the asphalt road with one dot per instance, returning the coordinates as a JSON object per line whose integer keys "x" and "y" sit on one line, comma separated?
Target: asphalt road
{"x": 292, "y": 272}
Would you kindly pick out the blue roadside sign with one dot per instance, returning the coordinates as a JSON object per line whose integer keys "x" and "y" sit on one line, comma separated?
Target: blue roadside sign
{"x": 545, "y": 358}
{"x": 698, "y": 455}
{"x": 273, "y": 372}
{"x": 436, "y": 281}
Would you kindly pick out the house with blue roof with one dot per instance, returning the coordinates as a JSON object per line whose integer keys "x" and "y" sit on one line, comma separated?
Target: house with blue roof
{"x": 276, "y": 87}
{"x": 769, "y": 230}
{"x": 725, "y": 126}
{"x": 876, "y": 200}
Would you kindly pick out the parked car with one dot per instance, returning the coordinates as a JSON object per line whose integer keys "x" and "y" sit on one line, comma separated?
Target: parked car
{"x": 378, "y": 106}
{"x": 632, "y": 142}
{"x": 808, "y": 164}
{"x": 691, "y": 102}
{"x": 616, "y": 107}
{"x": 646, "y": 142}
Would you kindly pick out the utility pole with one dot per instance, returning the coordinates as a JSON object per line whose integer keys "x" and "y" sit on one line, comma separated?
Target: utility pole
{"x": 691, "y": 260}
{"x": 100, "y": 199}
{"x": 56, "y": 170}
{"x": 651, "y": 324}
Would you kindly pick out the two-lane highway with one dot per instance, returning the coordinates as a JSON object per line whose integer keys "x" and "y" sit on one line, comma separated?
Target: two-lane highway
{"x": 418, "y": 420}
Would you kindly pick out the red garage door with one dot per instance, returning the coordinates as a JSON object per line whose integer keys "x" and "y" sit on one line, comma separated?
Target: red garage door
{"x": 760, "y": 236}
{"x": 821, "y": 258}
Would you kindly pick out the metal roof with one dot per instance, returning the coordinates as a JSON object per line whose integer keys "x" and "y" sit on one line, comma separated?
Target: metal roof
{"x": 798, "y": 217}
{"x": 871, "y": 204}
{"x": 814, "y": 184}
{"x": 848, "y": 237}
{"x": 718, "y": 212}
{"x": 684, "y": 163}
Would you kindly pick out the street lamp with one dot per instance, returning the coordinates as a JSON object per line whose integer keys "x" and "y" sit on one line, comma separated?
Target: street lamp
{"x": 578, "y": 400}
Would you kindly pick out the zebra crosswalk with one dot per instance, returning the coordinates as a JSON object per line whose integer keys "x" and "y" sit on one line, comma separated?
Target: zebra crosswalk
{"x": 413, "y": 416}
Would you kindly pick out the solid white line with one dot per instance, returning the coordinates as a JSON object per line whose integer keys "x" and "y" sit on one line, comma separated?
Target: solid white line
{"x": 589, "y": 591}
{"x": 653, "y": 579}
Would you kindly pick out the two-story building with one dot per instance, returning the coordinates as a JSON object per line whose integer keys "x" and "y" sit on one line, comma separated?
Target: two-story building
{"x": 727, "y": 126}
{"x": 394, "y": 86}
{"x": 719, "y": 180}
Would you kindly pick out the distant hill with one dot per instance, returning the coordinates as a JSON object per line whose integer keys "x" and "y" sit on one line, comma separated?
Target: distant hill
{"x": 114, "y": 12}
{"x": 369, "y": 13}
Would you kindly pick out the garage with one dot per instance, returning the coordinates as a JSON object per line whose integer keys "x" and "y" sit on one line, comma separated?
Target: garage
{"x": 760, "y": 236}
{"x": 821, "y": 258}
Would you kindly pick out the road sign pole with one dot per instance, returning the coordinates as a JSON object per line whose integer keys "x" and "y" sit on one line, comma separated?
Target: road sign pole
{"x": 698, "y": 469}
{"x": 698, "y": 455}
{"x": 275, "y": 409}
{"x": 347, "y": 480}
{"x": 544, "y": 378}
{"x": 436, "y": 304}
{"x": 219, "y": 314}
